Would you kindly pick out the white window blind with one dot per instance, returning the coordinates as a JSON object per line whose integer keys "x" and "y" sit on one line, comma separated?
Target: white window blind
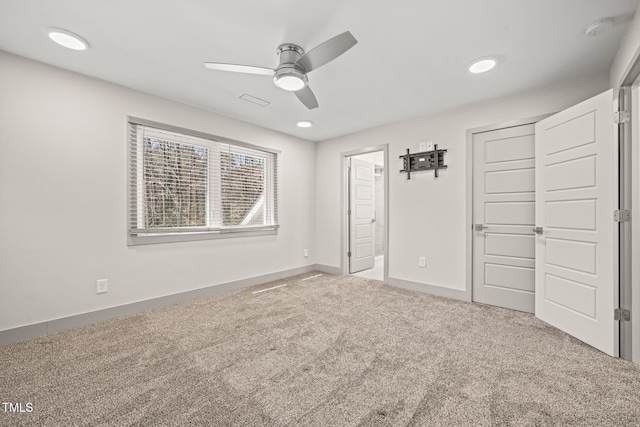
{"x": 184, "y": 182}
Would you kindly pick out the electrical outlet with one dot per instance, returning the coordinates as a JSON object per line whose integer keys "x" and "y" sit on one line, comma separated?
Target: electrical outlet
{"x": 422, "y": 147}
{"x": 102, "y": 286}
{"x": 306, "y": 252}
{"x": 429, "y": 146}
{"x": 422, "y": 262}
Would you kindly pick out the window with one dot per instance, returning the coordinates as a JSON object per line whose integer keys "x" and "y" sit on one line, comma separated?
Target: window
{"x": 187, "y": 185}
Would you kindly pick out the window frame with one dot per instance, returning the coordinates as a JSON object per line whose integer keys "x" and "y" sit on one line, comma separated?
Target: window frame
{"x": 135, "y": 196}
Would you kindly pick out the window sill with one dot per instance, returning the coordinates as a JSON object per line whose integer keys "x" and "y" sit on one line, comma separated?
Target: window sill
{"x": 152, "y": 239}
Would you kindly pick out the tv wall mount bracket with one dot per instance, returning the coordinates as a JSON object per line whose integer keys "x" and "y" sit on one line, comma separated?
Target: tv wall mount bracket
{"x": 424, "y": 161}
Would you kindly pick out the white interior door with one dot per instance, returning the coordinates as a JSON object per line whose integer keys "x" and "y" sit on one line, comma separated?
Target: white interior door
{"x": 361, "y": 215}
{"x": 504, "y": 216}
{"x": 576, "y": 194}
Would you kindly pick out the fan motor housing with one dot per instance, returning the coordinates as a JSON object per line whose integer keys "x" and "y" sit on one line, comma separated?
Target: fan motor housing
{"x": 288, "y": 75}
{"x": 289, "y": 53}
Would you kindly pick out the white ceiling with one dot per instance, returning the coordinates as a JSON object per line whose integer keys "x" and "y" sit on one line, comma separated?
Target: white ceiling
{"x": 411, "y": 58}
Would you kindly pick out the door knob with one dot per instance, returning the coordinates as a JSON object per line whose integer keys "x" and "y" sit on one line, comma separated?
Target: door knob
{"x": 537, "y": 230}
{"x": 479, "y": 227}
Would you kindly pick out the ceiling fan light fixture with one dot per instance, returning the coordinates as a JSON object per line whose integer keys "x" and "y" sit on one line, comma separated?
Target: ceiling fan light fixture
{"x": 294, "y": 64}
{"x": 290, "y": 78}
{"x": 67, "y": 39}
{"x": 290, "y": 82}
{"x": 482, "y": 65}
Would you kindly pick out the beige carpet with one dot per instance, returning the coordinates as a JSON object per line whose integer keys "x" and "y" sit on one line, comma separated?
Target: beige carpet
{"x": 328, "y": 351}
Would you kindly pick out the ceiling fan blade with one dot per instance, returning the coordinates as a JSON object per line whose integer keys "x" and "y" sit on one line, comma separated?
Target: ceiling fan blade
{"x": 306, "y": 96}
{"x": 248, "y": 69}
{"x": 327, "y": 51}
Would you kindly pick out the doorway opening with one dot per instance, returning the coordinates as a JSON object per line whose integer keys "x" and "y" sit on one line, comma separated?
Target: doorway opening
{"x": 365, "y": 213}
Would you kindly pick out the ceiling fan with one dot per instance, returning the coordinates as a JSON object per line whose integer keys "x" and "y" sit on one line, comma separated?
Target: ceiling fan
{"x": 291, "y": 73}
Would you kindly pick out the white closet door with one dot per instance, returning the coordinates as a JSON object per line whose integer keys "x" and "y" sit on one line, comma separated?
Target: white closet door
{"x": 576, "y": 195}
{"x": 504, "y": 212}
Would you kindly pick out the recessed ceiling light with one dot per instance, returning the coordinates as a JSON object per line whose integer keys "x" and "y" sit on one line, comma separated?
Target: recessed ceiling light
{"x": 67, "y": 39}
{"x": 304, "y": 124}
{"x": 482, "y": 65}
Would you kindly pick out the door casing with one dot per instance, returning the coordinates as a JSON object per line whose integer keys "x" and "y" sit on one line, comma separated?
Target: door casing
{"x": 629, "y": 99}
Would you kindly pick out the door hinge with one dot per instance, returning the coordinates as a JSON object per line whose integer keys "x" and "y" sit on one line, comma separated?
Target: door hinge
{"x": 621, "y": 215}
{"x": 622, "y": 315}
{"x": 348, "y": 254}
{"x": 620, "y": 117}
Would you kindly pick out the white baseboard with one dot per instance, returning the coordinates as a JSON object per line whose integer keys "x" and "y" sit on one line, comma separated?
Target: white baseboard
{"x": 429, "y": 289}
{"x": 329, "y": 269}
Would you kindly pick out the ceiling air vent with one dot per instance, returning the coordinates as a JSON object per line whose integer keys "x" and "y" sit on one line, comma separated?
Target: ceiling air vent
{"x": 254, "y": 100}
